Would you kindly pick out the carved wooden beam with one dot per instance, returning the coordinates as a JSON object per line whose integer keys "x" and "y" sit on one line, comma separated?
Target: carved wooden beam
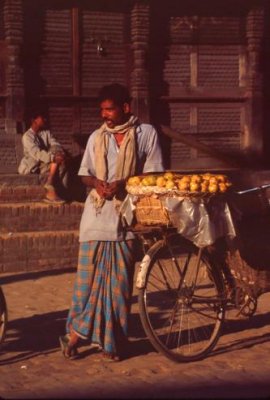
{"x": 139, "y": 76}
{"x": 188, "y": 140}
{"x": 253, "y": 139}
{"x": 13, "y": 29}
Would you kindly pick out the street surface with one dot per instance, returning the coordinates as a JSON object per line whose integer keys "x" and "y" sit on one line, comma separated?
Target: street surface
{"x": 32, "y": 365}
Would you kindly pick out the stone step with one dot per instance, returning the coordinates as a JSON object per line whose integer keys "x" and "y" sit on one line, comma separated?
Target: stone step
{"x": 15, "y": 187}
{"x": 29, "y": 251}
{"x": 18, "y": 180}
{"x": 20, "y": 193}
{"x": 39, "y": 216}
{"x": 20, "y": 188}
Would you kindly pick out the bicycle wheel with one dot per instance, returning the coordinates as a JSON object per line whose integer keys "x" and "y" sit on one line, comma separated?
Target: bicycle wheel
{"x": 181, "y": 306}
{"x": 3, "y": 316}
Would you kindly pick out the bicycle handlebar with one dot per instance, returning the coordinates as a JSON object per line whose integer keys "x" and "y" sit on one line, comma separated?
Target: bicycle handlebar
{"x": 255, "y": 189}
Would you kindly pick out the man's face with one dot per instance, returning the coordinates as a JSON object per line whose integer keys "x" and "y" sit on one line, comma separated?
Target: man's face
{"x": 39, "y": 122}
{"x": 113, "y": 114}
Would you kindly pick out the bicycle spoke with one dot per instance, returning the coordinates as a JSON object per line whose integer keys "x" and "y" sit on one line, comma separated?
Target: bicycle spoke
{"x": 182, "y": 305}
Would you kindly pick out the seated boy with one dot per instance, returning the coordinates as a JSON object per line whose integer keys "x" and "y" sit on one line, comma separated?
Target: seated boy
{"x": 43, "y": 155}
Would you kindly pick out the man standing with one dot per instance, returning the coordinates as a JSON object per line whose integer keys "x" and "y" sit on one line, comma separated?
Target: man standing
{"x": 120, "y": 148}
{"x": 43, "y": 155}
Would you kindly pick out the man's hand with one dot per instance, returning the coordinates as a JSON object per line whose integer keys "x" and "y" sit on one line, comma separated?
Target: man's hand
{"x": 101, "y": 187}
{"x": 104, "y": 189}
{"x": 115, "y": 188}
{"x": 59, "y": 157}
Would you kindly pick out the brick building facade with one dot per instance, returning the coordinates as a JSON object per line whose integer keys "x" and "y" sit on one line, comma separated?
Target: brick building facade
{"x": 197, "y": 70}
{"x": 198, "y": 67}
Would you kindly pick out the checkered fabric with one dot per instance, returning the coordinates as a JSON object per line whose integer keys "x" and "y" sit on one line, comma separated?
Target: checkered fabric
{"x": 102, "y": 291}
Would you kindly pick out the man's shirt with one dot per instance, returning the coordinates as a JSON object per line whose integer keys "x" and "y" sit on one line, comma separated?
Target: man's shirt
{"x": 37, "y": 148}
{"x": 106, "y": 225}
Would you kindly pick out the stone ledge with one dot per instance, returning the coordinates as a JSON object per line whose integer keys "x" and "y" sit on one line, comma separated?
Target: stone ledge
{"x": 22, "y": 188}
{"x": 18, "y": 180}
{"x": 29, "y": 251}
{"x": 39, "y": 216}
{"x": 19, "y": 193}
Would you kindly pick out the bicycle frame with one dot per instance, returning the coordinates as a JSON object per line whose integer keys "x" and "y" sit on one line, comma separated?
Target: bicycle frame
{"x": 254, "y": 189}
{"x": 187, "y": 297}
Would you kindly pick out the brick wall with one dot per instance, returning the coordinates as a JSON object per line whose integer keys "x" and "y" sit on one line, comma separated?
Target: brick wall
{"x": 23, "y": 217}
{"x": 35, "y": 235}
{"x": 35, "y": 251}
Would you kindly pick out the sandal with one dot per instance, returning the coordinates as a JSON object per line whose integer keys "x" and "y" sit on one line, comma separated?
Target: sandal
{"x": 110, "y": 357}
{"x": 49, "y": 187}
{"x": 55, "y": 200}
{"x": 51, "y": 196}
{"x": 68, "y": 351}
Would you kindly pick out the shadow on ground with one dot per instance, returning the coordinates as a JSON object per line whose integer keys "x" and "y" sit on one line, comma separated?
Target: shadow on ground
{"x": 18, "y": 277}
{"x": 235, "y": 326}
{"x": 31, "y": 336}
{"x": 39, "y": 334}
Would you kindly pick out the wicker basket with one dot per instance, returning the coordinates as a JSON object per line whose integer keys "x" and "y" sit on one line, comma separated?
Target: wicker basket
{"x": 150, "y": 211}
{"x": 248, "y": 261}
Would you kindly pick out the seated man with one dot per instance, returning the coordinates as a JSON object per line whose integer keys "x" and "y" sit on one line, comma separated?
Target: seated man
{"x": 43, "y": 155}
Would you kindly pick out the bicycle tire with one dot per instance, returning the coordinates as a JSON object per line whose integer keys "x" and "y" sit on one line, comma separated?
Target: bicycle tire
{"x": 3, "y": 316}
{"x": 182, "y": 322}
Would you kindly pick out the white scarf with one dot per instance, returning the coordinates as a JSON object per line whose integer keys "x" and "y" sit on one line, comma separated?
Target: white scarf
{"x": 126, "y": 160}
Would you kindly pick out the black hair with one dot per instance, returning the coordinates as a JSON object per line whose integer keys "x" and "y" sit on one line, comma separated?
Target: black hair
{"x": 32, "y": 113}
{"x": 116, "y": 92}
{"x": 37, "y": 113}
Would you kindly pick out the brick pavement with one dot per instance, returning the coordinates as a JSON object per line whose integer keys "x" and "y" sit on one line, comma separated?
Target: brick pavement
{"x": 33, "y": 367}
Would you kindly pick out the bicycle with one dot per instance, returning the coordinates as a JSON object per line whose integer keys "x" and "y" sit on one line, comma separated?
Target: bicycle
{"x": 3, "y": 316}
{"x": 184, "y": 292}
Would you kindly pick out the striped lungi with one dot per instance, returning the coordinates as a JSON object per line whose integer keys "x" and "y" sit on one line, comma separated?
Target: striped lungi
{"x": 102, "y": 292}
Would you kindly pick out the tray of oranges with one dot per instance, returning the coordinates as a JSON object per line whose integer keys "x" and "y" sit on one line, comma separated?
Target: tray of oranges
{"x": 176, "y": 184}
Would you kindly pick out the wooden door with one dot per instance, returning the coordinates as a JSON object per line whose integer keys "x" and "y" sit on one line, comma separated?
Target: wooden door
{"x": 72, "y": 48}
